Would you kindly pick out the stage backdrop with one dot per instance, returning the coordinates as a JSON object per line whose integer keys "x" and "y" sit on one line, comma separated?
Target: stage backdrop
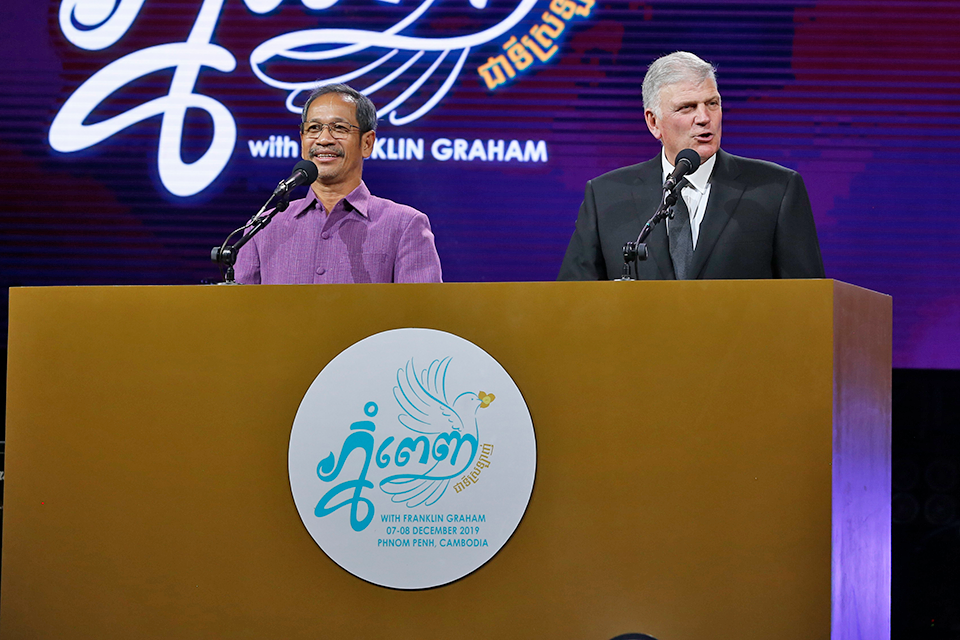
{"x": 136, "y": 134}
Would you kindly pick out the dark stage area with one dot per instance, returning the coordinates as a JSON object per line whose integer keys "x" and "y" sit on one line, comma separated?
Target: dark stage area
{"x": 926, "y": 486}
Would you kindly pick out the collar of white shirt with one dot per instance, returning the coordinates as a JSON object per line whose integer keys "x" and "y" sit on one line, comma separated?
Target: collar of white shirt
{"x": 699, "y": 178}
{"x": 695, "y": 194}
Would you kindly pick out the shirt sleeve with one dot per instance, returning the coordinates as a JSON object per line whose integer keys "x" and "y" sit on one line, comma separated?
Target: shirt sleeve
{"x": 417, "y": 258}
{"x": 247, "y": 268}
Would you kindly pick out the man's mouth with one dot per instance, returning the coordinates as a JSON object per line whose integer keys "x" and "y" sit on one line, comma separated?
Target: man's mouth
{"x": 326, "y": 154}
{"x": 703, "y": 137}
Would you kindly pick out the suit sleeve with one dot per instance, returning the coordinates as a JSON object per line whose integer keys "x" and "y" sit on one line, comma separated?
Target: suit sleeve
{"x": 584, "y": 257}
{"x": 417, "y": 258}
{"x": 796, "y": 250}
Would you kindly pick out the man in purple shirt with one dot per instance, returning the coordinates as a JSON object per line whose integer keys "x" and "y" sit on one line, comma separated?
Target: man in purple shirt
{"x": 340, "y": 233}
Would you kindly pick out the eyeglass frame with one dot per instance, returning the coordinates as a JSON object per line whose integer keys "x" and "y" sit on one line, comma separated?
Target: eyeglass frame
{"x": 329, "y": 126}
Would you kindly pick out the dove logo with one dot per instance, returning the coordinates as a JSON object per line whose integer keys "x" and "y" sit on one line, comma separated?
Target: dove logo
{"x": 412, "y": 458}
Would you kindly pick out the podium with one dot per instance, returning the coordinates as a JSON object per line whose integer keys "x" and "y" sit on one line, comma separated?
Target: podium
{"x": 713, "y": 461}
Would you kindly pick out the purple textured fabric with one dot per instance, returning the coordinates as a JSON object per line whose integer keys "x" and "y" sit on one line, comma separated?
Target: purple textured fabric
{"x": 364, "y": 239}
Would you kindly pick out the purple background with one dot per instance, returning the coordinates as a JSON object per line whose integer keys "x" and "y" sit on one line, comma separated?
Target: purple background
{"x": 863, "y": 98}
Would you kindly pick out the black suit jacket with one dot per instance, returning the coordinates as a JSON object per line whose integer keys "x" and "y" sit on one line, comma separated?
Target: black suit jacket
{"x": 758, "y": 224}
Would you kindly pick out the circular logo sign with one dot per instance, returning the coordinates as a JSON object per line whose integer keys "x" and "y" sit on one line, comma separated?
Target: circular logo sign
{"x": 412, "y": 458}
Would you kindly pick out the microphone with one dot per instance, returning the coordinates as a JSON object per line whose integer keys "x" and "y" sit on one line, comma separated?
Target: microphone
{"x": 304, "y": 172}
{"x": 688, "y": 161}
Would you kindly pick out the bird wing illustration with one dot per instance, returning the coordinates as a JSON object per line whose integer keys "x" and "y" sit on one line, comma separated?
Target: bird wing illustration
{"x": 423, "y": 399}
{"x": 425, "y": 409}
{"x": 385, "y": 60}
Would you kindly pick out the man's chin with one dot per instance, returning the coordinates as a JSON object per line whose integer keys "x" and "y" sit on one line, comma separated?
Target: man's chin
{"x": 707, "y": 149}
{"x": 327, "y": 172}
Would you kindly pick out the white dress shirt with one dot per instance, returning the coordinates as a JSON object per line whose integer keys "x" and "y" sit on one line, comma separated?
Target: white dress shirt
{"x": 696, "y": 193}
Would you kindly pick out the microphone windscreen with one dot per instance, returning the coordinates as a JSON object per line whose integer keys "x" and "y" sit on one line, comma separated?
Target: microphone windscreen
{"x": 690, "y": 156}
{"x": 309, "y": 169}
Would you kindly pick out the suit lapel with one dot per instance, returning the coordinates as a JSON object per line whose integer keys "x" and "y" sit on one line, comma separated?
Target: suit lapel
{"x": 647, "y": 193}
{"x": 725, "y": 194}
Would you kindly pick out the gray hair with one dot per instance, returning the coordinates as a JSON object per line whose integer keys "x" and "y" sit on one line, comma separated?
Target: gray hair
{"x": 366, "y": 112}
{"x": 680, "y": 66}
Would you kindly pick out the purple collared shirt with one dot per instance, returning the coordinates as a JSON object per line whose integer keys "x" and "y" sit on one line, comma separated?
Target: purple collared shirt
{"x": 364, "y": 239}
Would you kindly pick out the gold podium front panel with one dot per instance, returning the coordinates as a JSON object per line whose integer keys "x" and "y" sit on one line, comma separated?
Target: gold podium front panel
{"x": 690, "y": 479}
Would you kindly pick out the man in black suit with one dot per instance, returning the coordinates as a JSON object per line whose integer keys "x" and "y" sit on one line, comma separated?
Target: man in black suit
{"x": 737, "y": 218}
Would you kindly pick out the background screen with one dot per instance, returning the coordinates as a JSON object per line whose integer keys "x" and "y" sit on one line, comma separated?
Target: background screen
{"x": 136, "y": 134}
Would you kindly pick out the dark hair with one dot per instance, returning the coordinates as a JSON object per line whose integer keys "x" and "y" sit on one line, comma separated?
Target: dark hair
{"x": 366, "y": 112}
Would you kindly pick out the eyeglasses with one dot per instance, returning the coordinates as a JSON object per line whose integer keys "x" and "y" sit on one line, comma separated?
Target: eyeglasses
{"x": 338, "y": 130}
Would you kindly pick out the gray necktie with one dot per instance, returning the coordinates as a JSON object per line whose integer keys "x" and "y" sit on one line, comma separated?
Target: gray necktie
{"x": 681, "y": 238}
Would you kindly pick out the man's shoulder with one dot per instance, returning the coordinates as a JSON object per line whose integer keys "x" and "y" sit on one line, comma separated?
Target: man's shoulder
{"x": 753, "y": 168}
{"x": 389, "y": 209}
{"x": 629, "y": 174}
{"x": 294, "y": 208}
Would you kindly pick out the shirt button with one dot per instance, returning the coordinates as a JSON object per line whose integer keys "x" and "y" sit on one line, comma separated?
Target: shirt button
{"x": 325, "y": 235}
{"x": 321, "y": 271}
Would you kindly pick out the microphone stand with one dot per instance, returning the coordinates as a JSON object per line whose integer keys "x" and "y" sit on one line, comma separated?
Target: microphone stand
{"x": 225, "y": 255}
{"x": 634, "y": 252}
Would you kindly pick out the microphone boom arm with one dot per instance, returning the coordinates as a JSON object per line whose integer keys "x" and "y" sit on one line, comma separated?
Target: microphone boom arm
{"x": 226, "y": 254}
{"x": 304, "y": 172}
{"x": 634, "y": 252}
{"x": 687, "y": 161}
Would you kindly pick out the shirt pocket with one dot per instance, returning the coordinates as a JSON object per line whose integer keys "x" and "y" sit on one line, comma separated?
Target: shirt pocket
{"x": 370, "y": 267}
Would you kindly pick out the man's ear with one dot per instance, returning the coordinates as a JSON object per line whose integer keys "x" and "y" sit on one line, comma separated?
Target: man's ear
{"x": 653, "y": 124}
{"x": 366, "y": 143}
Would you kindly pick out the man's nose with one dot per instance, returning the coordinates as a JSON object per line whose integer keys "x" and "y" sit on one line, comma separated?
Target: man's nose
{"x": 703, "y": 114}
{"x": 326, "y": 136}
